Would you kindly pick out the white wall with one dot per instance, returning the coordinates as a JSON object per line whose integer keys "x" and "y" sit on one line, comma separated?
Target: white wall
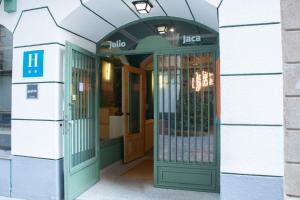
{"x": 251, "y": 87}
{"x": 244, "y": 50}
{"x": 37, "y": 123}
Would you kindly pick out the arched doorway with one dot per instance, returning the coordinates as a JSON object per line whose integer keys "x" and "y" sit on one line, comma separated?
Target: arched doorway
{"x": 182, "y": 61}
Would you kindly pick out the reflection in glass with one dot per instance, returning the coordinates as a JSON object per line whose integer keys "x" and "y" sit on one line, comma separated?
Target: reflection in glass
{"x": 6, "y": 43}
{"x": 134, "y": 103}
{"x": 186, "y": 108}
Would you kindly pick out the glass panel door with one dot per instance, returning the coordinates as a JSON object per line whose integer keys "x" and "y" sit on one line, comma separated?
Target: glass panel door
{"x": 81, "y": 167}
{"x": 134, "y": 100}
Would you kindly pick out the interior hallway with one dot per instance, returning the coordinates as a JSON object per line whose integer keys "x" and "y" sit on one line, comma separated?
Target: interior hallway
{"x": 124, "y": 182}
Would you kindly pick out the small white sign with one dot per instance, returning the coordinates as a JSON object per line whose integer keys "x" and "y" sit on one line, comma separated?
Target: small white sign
{"x": 81, "y": 87}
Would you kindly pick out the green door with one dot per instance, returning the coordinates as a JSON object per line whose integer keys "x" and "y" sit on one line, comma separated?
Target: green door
{"x": 80, "y": 112}
{"x": 186, "y": 122}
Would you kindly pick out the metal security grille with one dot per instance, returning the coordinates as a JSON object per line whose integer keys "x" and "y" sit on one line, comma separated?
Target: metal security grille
{"x": 186, "y": 136}
{"x": 83, "y": 111}
{"x": 187, "y": 107}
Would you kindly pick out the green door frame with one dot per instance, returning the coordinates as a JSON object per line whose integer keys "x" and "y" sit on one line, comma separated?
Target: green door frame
{"x": 81, "y": 146}
{"x": 182, "y": 166}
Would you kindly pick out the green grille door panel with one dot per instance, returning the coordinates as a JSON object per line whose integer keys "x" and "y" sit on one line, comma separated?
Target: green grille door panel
{"x": 81, "y": 167}
{"x": 186, "y": 128}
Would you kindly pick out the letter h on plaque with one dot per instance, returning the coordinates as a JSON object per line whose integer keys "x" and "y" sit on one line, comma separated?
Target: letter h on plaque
{"x": 33, "y": 62}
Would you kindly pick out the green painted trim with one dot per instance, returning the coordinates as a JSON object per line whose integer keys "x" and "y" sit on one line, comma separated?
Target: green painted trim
{"x": 10, "y": 6}
{"x": 20, "y": 83}
{"x": 111, "y": 142}
{"x": 82, "y": 176}
{"x": 227, "y": 124}
{"x": 46, "y": 7}
{"x": 152, "y": 43}
{"x": 37, "y": 157}
{"x": 256, "y": 24}
{"x": 161, "y": 7}
{"x": 238, "y": 174}
{"x": 150, "y": 19}
{"x": 200, "y": 48}
{"x": 111, "y": 151}
{"x": 220, "y": 4}
{"x": 89, "y": 9}
{"x": 189, "y": 7}
{"x": 253, "y": 74}
{"x": 40, "y": 44}
{"x": 42, "y": 120}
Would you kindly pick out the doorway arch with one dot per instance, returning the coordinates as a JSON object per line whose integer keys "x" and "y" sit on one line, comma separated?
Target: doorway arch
{"x": 191, "y": 55}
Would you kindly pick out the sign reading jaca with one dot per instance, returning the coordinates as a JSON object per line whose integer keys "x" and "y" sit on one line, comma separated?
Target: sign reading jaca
{"x": 191, "y": 39}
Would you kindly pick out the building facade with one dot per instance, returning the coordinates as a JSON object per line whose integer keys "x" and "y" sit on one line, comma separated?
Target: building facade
{"x": 255, "y": 49}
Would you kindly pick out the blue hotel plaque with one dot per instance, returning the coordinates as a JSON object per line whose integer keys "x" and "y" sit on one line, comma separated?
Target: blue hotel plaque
{"x": 33, "y": 63}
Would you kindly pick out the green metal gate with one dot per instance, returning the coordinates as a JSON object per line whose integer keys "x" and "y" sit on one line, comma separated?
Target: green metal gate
{"x": 81, "y": 163}
{"x": 186, "y": 124}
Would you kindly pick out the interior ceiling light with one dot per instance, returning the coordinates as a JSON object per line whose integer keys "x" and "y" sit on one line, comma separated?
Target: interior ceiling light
{"x": 162, "y": 29}
{"x": 143, "y": 6}
{"x": 172, "y": 29}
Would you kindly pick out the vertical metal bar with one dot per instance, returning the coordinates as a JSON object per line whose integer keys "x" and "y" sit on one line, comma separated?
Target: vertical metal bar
{"x": 208, "y": 104}
{"x": 92, "y": 110}
{"x": 157, "y": 102}
{"x": 175, "y": 99}
{"x": 202, "y": 105}
{"x": 77, "y": 108}
{"x": 163, "y": 105}
{"x": 73, "y": 107}
{"x": 181, "y": 83}
{"x": 215, "y": 109}
{"x": 188, "y": 100}
{"x": 80, "y": 110}
{"x": 92, "y": 130}
{"x": 84, "y": 109}
{"x": 195, "y": 108}
{"x": 156, "y": 115}
{"x": 169, "y": 105}
{"x": 90, "y": 124}
{"x": 87, "y": 106}
{"x": 91, "y": 114}
{"x": 88, "y": 120}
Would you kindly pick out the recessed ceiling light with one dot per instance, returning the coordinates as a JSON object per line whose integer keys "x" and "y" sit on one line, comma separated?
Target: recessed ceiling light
{"x": 162, "y": 29}
{"x": 172, "y": 29}
{"x": 143, "y": 6}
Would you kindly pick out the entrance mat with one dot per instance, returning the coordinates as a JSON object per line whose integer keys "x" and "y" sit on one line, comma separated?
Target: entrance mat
{"x": 143, "y": 170}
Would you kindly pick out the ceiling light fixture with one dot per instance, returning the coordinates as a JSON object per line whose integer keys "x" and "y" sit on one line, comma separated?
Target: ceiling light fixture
{"x": 143, "y": 6}
{"x": 162, "y": 29}
{"x": 172, "y": 29}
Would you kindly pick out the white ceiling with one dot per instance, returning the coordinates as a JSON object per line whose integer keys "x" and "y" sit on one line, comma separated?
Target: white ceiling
{"x": 97, "y": 18}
